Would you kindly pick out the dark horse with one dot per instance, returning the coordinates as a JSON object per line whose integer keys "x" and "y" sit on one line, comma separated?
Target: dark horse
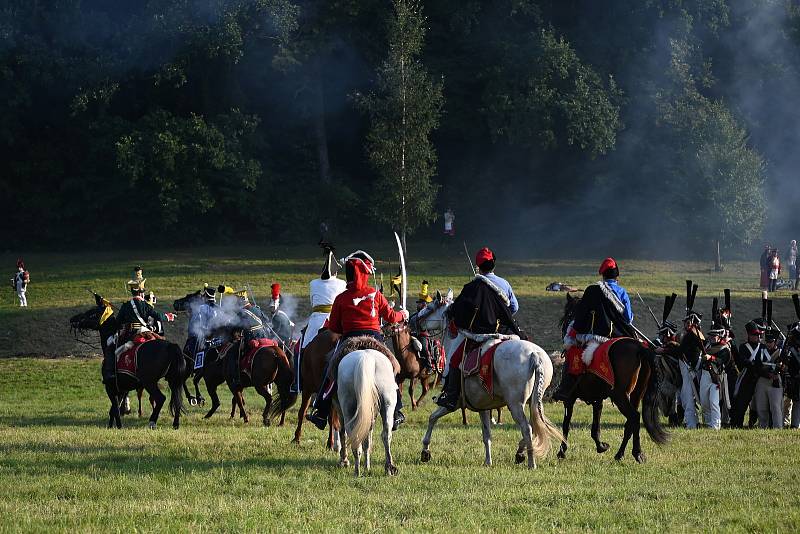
{"x": 636, "y": 379}
{"x": 270, "y": 365}
{"x": 157, "y": 359}
{"x": 187, "y": 304}
{"x": 399, "y": 337}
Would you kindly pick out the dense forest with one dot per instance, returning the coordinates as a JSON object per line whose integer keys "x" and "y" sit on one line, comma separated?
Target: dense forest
{"x": 560, "y": 124}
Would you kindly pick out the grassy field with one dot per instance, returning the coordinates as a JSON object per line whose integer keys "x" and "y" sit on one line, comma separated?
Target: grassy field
{"x": 61, "y": 470}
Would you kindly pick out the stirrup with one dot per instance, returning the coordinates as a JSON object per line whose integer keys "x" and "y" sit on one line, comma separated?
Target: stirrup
{"x": 317, "y": 420}
{"x": 399, "y": 419}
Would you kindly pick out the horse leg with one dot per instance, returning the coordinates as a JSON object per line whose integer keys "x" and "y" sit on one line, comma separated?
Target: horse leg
{"x": 264, "y": 392}
{"x": 568, "y": 406}
{"x": 215, "y": 403}
{"x": 367, "y": 446}
{"x": 196, "y": 381}
{"x": 518, "y": 414}
{"x": 597, "y": 411}
{"x": 283, "y": 418}
{"x": 386, "y": 436}
{"x": 342, "y": 435}
{"x": 159, "y": 399}
{"x": 411, "y": 384}
{"x": 238, "y": 400}
{"x": 301, "y": 414}
{"x": 486, "y": 431}
{"x": 426, "y": 387}
{"x": 463, "y": 416}
{"x": 139, "y": 398}
{"x": 631, "y": 425}
{"x": 437, "y": 414}
{"x": 337, "y": 428}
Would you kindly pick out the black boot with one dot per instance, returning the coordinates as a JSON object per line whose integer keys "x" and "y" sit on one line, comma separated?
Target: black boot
{"x": 452, "y": 390}
{"x": 322, "y": 407}
{"x": 566, "y": 387}
{"x": 399, "y": 417}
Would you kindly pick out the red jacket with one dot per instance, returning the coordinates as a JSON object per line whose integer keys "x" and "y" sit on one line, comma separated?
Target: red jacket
{"x": 360, "y": 309}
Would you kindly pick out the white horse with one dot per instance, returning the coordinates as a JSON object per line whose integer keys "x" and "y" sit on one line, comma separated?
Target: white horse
{"x": 522, "y": 372}
{"x": 366, "y": 386}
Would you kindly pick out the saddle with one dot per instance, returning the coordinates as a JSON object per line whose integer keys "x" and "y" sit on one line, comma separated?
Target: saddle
{"x": 360, "y": 343}
{"x": 251, "y": 348}
{"x": 592, "y": 358}
{"x": 126, "y": 355}
{"x": 477, "y": 358}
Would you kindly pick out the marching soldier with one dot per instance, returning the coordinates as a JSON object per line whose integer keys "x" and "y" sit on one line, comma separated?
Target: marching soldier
{"x": 486, "y": 305}
{"x": 604, "y": 312}
{"x": 769, "y": 387}
{"x": 691, "y": 349}
{"x": 356, "y": 312}
{"x": 749, "y": 353}
{"x": 713, "y": 383}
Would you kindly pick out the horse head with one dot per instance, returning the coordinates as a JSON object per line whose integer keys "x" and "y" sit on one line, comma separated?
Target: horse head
{"x": 569, "y": 313}
{"x": 95, "y": 318}
{"x": 185, "y": 303}
{"x": 433, "y": 317}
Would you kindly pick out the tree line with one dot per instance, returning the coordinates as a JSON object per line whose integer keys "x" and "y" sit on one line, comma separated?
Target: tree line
{"x": 193, "y": 120}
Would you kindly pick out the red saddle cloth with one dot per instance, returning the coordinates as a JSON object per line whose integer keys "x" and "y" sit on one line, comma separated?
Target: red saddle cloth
{"x": 601, "y": 363}
{"x": 253, "y": 346}
{"x": 475, "y": 361}
{"x": 127, "y": 361}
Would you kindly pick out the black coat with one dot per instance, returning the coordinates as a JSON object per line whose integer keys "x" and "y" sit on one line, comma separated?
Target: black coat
{"x": 481, "y": 310}
{"x": 596, "y": 315}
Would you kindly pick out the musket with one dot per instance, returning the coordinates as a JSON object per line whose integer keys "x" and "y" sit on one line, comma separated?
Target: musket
{"x": 653, "y": 315}
{"x": 639, "y": 332}
{"x": 469, "y": 259}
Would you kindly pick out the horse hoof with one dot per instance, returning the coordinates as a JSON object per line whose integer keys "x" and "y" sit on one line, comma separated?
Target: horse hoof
{"x": 618, "y": 457}
{"x": 344, "y": 463}
{"x": 192, "y": 401}
{"x": 640, "y": 458}
{"x": 391, "y": 470}
{"x": 201, "y": 401}
{"x": 425, "y": 456}
{"x": 561, "y": 455}
{"x": 603, "y": 447}
{"x": 519, "y": 458}
{"x": 152, "y": 425}
{"x": 207, "y": 416}
{"x": 175, "y": 427}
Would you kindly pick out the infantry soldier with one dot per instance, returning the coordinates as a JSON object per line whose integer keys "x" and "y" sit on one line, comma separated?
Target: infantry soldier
{"x": 691, "y": 349}
{"x": 486, "y": 305}
{"x": 356, "y": 312}
{"x": 280, "y": 323}
{"x": 769, "y": 387}
{"x": 713, "y": 383}
{"x": 749, "y": 353}
{"x": 604, "y": 312}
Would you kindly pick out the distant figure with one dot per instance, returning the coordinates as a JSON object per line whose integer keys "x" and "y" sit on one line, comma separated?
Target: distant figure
{"x": 791, "y": 261}
{"x": 774, "y": 266}
{"x": 764, "y": 262}
{"x": 20, "y": 282}
{"x": 449, "y": 223}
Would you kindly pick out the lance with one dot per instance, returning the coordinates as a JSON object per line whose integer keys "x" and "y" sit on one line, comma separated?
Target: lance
{"x": 469, "y": 259}
{"x": 653, "y": 315}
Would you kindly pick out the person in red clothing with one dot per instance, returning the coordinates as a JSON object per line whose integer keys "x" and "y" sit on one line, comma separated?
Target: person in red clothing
{"x": 357, "y": 311}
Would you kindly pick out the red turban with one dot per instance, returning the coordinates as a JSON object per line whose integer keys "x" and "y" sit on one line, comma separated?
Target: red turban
{"x": 483, "y": 255}
{"x": 607, "y": 264}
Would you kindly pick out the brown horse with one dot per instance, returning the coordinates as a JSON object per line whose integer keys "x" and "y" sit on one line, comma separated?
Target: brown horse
{"x": 269, "y": 366}
{"x": 637, "y": 376}
{"x": 312, "y": 368}
{"x": 400, "y": 337}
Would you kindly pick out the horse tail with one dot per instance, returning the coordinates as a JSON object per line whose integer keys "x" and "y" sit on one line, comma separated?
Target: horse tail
{"x": 650, "y": 403}
{"x": 543, "y": 430}
{"x": 366, "y": 398}
{"x": 285, "y": 399}
{"x": 176, "y": 377}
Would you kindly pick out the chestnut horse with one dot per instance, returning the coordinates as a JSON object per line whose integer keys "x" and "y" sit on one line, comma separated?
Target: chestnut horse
{"x": 400, "y": 337}
{"x": 312, "y": 368}
{"x": 637, "y": 377}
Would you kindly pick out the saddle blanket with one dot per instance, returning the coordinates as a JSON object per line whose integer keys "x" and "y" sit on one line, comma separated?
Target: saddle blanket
{"x": 478, "y": 360}
{"x": 599, "y": 366}
{"x": 253, "y": 346}
{"x": 128, "y": 355}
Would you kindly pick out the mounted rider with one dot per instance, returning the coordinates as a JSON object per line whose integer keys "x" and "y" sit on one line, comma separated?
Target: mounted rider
{"x": 428, "y": 348}
{"x": 280, "y": 323}
{"x": 322, "y": 292}
{"x": 356, "y": 312}
{"x": 246, "y": 325}
{"x": 604, "y": 312}
{"x": 486, "y": 305}
{"x": 201, "y": 323}
{"x": 132, "y": 319}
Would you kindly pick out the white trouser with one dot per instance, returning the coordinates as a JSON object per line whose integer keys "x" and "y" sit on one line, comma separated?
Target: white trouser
{"x": 687, "y": 397}
{"x": 23, "y": 300}
{"x": 787, "y": 412}
{"x": 769, "y": 400}
{"x": 709, "y": 400}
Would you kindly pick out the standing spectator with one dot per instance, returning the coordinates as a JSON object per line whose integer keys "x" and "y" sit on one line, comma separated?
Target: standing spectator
{"x": 765, "y": 267}
{"x": 791, "y": 261}
{"x": 449, "y": 223}
{"x": 21, "y": 280}
{"x": 774, "y": 269}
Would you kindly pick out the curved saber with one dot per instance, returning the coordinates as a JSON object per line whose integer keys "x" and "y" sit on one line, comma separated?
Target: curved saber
{"x": 402, "y": 269}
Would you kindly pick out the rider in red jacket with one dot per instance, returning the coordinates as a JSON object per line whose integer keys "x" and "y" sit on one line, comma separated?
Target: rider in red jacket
{"x": 357, "y": 311}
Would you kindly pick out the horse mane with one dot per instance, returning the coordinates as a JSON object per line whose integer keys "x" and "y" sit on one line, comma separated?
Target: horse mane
{"x": 569, "y": 312}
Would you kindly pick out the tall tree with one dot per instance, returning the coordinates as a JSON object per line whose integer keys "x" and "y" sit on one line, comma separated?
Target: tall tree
{"x": 403, "y": 111}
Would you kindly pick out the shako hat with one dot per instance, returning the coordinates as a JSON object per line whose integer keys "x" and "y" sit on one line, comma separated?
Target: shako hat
{"x": 424, "y": 295}
{"x": 754, "y": 328}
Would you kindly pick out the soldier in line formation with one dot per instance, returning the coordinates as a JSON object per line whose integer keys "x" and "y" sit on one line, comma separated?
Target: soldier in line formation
{"x": 727, "y": 381}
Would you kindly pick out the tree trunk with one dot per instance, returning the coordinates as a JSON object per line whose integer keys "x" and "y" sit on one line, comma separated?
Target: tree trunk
{"x": 405, "y": 248}
{"x": 718, "y": 259}
{"x": 320, "y": 131}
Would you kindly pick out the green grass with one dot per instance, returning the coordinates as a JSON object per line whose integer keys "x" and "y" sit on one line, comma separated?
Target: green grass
{"x": 61, "y": 470}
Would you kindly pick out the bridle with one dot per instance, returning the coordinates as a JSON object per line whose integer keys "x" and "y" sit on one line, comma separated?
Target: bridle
{"x": 439, "y": 328}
